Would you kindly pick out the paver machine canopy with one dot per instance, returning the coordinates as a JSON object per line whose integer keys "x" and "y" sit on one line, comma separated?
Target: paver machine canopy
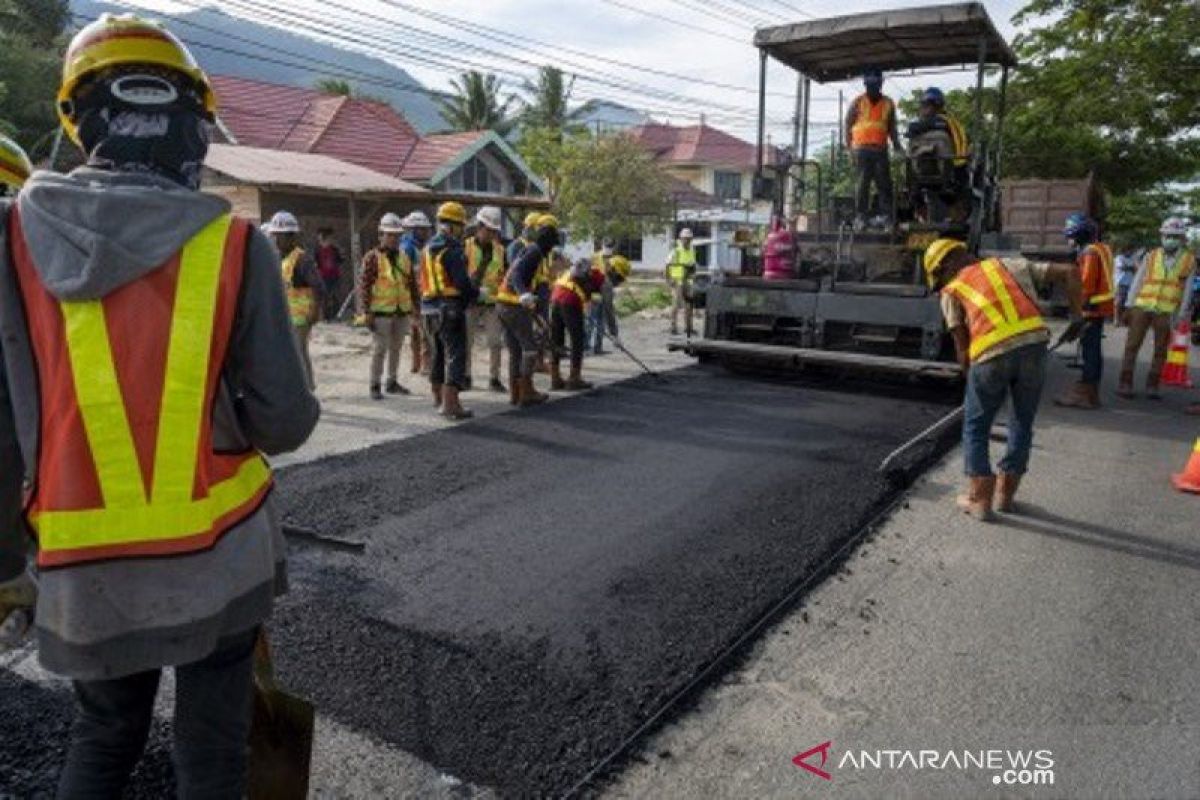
{"x": 856, "y": 298}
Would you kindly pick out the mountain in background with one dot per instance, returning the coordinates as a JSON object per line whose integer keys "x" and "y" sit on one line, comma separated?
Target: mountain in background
{"x": 228, "y": 45}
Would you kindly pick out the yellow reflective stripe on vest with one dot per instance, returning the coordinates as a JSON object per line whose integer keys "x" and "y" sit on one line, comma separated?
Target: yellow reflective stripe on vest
{"x": 302, "y": 300}
{"x": 170, "y": 512}
{"x": 1005, "y": 320}
{"x": 1161, "y": 292}
{"x": 1106, "y": 263}
{"x": 567, "y": 282}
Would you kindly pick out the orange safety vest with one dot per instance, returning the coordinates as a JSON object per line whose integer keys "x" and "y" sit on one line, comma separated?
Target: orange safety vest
{"x": 390, "y": 293}
{"x": 301, "y": 300}
{"x": 872, "y": 123}
{"x": 126, "y": 463}
{"x": 489, "y": 275}
{"x": 1160, "y": 292}
{"x": 1100, "y": 302}
{"x": 435, "y": 283}
{"x": 997, "y": 307}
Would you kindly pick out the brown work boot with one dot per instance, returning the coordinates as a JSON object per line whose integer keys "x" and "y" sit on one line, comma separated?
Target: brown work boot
{"x": 1078, "y": 396}
{"x": 437, "y": 394}
{"x": 529, "y": 395}
{"x": 1006, "y": 488}
{"x": 978, "y": 500}
{"x": 576, "y": 383}
{"x": 556, "y": 382}
{"x": 1125, "y": 386}
{"x": 451, "y": 407}
{"x": 514, "y": 390}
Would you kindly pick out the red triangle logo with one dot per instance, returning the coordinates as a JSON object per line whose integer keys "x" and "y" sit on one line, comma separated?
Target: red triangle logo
{"x": 801, "y": 760}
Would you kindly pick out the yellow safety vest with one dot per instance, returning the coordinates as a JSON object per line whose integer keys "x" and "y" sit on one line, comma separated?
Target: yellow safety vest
{"x": 1162, "y": 292}
{"x": 958, "y": 137}
{"x": 997, "y": 308}
{"x": 391, "y": 294}
{"x": 567, "y": 282}
{"x": 493, "y": 273}
{"x": 683, "y": 261}
{"x": 434, "y": 281}
{"x": 301, "y": 301}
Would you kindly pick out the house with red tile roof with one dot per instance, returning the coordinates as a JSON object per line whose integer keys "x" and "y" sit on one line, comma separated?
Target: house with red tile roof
{"x": 479, "y": 162}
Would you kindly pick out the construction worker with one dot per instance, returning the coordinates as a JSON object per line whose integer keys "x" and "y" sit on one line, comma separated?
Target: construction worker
{"x": 330, "y": 261}
{"x": 594, "y": 342}
{"x": 446, "y": 294}
{"x": 1000, "y": 338}
{"x": 681, "y": 268}
{"x": 417, "y": 229}
{"x": 573, "y": 291}
{"x": 18, "y": 593}
{"x": 302, "y": 283}
{"x": 1126, "y": 270}
{"x": 870, "y": 125}
{"x": 385, "y": 300}
{"x": 937, "y": 131}
{"x": 487, "y": 263}
{"x": 528, "y": 234}
{"x": 1160, "y": 298}
{"x": 518, "y": 312}
{"x": 1096, "y": 267}
{"x": 146, "y": 326}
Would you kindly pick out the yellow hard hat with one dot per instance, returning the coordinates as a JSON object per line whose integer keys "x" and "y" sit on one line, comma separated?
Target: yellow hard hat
{"x": 936, "y": 253}
{"x": 547, "y": 221}
{"x": 117, "y": 40}
{"x": 15, "y": 167}
{"x": 531, "y": 219}
{"x": 621, "y": 266}
{"x": 452, "y": 212}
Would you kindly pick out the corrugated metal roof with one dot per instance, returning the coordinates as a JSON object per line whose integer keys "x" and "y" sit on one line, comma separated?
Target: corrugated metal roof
{"x": 304, "y": 171}
{"x": 269, "y": 115}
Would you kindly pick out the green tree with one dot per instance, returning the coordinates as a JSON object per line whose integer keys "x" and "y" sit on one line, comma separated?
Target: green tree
{"x": 32, "y": 41}
{"x": 335, "y": 86}
{"x": 476, "y": 104}
{"x": 547, "y": 102}
{"x": 545, "y": 150}
{"x": 609, "y": 187}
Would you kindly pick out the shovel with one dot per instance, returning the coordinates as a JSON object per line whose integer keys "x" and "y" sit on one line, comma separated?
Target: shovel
{"x": 281, "y": 735}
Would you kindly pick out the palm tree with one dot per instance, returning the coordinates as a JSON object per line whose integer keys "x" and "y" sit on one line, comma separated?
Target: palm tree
{"x": 336, "y": 86}
{"x": 548, "y": 103}
{"x": 476, "y": 105}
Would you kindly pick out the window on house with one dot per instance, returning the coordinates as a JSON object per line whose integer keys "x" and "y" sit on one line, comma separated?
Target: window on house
{"x": 473, "y": 176}
{"x": 727, "y": 185}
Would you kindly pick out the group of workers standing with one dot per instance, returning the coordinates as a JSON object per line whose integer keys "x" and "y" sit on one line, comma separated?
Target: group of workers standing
{"x": 450, "y": 282}
{"x": 991, "y": 311}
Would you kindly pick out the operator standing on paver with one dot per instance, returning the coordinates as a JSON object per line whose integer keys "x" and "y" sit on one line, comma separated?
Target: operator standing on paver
{"x": 1159, "y": 297}
{"x": 487, "y": 263}
{"x": 1096, "y": 267}
{"x": 385, "y": 300}
{"x": 518, "y": 312}
{"x": 446, "y": 294}
{"x": 302, "y": 282}
{"x": 148, "y": 358}
{"x": 1001, "y": 343}
{"x": 681, "y": 268}
{"x": 870, "y": 125}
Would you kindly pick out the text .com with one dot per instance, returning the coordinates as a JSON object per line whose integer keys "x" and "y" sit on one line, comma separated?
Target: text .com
{"x": 1019, "y": 767}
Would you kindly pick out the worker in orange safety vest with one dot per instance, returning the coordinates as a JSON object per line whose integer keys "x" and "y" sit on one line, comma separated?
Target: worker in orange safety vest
{"x": 1096, "y": 275}
{"x": 870, "y": 125}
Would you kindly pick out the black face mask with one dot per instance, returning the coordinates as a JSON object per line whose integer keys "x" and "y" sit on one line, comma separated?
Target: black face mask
{"x": 547, "y": 239}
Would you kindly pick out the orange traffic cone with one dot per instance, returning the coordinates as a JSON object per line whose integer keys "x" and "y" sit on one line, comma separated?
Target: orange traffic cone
{"x": 1175, "y": 371}
{"x": 1189, "y": 479}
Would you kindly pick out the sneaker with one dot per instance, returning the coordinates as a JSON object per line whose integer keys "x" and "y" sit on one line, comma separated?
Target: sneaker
{"x": 376, "y": 394}
{"x": 394, "y": 387}
{"x": 496, "y": 386}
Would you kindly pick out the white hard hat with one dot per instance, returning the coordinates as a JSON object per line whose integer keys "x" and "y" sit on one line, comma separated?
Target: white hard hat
{"x": 391, "y": 223}
{"x": 686, "y": 233}
{"x": 1174, "y": 226}
{"x": 489, "y": 217}
{"x": 417, "y": 219}
{"x": 283, "y": 222}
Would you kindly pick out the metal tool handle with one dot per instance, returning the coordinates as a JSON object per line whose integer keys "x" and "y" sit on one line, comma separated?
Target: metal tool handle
{"x": 951, "y": 419}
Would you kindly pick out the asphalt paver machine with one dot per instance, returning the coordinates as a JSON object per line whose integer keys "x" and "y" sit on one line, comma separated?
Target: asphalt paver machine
{"x": 857, "y": 299}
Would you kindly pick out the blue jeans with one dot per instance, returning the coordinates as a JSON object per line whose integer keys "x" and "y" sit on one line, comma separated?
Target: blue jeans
{"x": 212, "y": 727}
{"x": 1093, "y": 358}
{"x": 1018, "y": 374}
{"x": 595, "y": 327}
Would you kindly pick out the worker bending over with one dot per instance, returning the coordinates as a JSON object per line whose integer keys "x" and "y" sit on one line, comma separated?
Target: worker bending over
{"x": 301, "y": 281}
{"x": 385, "y": 301}
{"x": 487, "y": 263}
{"x": 446, "y": 294}
{"x": 1095, "y": 261}
{"x": 574, "y": 290}
{"x": 870, "y": 125}
{"x": 1159, "y": 299}
{"x": 1000, "y": 340}
{"x": 681, "y": 269}
{"x": 146, "y": 327}
{"x": 519, "y": 314}
{"x": 416, "y": 234}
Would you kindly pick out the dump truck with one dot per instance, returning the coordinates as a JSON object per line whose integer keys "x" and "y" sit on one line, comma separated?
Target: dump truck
{"x": 854, "y": 299}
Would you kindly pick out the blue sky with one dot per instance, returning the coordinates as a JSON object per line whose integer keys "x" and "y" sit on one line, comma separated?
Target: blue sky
{"x": 635, "y": 32}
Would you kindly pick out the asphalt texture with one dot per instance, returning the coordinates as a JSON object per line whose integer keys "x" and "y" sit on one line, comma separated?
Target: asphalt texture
{"x": 533, "y": 586}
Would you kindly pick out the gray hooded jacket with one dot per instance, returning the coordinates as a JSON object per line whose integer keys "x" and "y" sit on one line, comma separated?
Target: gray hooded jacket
{"x": 90, "y": 233}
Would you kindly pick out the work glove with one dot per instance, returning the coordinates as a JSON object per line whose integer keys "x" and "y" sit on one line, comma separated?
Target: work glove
{"x": 17, "y": 600}
{"x": 529, "y": 300}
